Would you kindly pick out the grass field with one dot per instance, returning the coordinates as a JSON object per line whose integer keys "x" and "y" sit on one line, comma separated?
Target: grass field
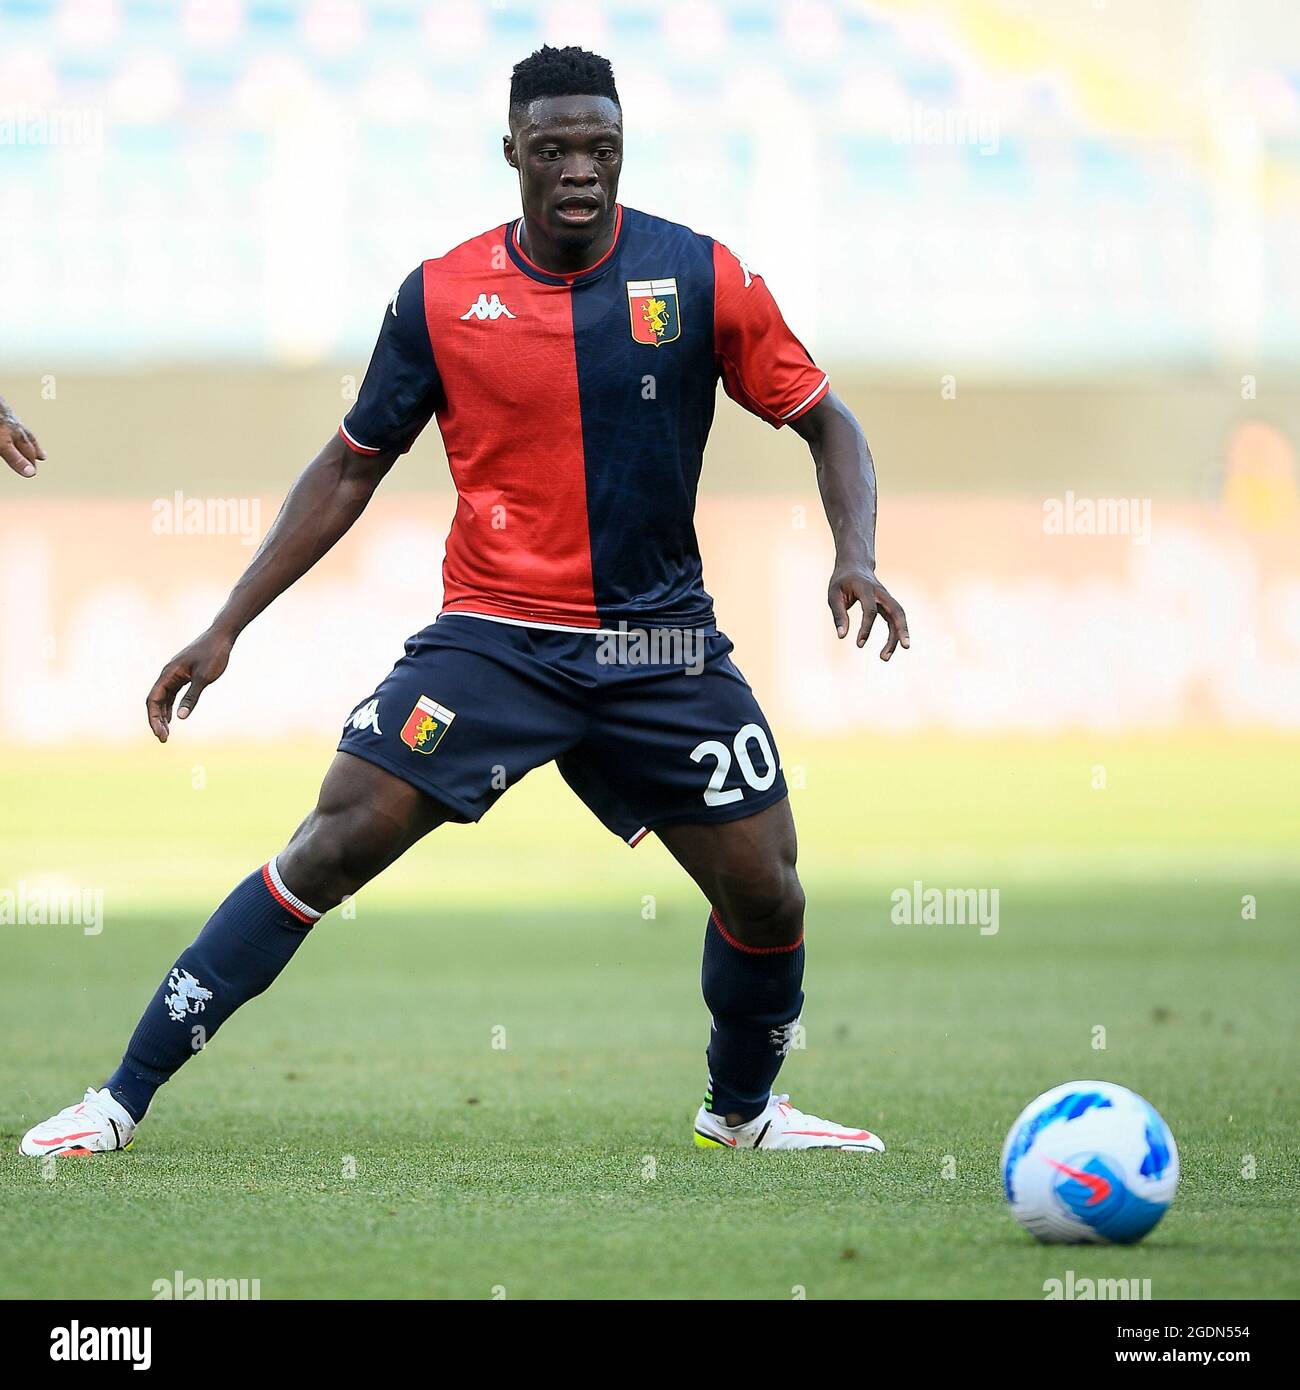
{"x": 560, "y": 1164}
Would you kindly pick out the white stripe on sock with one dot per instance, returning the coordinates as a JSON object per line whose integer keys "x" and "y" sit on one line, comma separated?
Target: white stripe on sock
{"x": 289, "y": 897}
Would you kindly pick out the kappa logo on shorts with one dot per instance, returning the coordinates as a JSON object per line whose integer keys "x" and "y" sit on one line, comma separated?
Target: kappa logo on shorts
{"x": 426, "y": 725}
{"x": 366, "y": 717}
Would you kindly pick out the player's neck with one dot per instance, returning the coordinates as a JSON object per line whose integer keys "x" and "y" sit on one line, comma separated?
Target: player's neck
{"x": 548, "y": 254}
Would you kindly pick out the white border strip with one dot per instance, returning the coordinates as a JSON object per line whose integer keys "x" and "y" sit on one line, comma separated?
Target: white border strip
{"x": 356, "y": 443}
{"x": 807, "y": 400}
{"x": 520, "y": 622}
{"x": 274, "y": 870}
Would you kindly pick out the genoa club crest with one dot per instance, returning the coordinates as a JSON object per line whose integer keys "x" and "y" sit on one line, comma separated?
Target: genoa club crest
{"x": 428, "y": 722}
{"x": 653, "y": 307}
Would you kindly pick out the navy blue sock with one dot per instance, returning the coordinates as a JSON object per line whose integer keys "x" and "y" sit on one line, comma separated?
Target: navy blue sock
{"x": 755, "y": 996}
{"x": 247, "y": 941}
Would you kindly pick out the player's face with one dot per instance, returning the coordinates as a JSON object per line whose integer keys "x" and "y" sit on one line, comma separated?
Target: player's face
{"x": 569, "y": 152}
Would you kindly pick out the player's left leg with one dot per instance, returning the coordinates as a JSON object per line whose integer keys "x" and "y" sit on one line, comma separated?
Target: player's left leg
{"x": 752, "y": 977}
{"x": 677, "y": 744}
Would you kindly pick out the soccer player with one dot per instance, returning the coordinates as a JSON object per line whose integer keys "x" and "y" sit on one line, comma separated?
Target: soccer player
{"x": 18, "y": 446}
{"x": 571, "y": 358}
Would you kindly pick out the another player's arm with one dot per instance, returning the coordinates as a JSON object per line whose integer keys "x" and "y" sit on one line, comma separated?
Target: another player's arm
{"x": 846, "y": 478}
{"x": 18, "y": 446}
{"x": 329, "y": 495}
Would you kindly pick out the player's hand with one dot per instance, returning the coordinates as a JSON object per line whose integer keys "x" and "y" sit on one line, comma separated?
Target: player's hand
{"x": 197, "y": 666}
{"x": 18, "y": 446}
{"x": 855, "y": 584}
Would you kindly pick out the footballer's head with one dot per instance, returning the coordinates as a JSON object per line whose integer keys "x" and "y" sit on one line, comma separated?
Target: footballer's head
{"x": 566, "y": 142}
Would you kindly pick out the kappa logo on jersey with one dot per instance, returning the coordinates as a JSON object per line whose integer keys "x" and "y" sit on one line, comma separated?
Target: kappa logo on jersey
{"x": 367, "y": 717}
{"x": 428, "y": 722}
{"x": 186, "y": 995}
{"x": 485, "y": 308}
{"x": 652, "y": 305}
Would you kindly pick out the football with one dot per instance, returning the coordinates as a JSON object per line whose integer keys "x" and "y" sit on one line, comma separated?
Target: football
{"x": 1089, "y": 1161}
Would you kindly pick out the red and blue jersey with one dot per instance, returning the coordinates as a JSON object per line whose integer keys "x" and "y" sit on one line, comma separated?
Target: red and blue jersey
{"x": 574, "y": 410}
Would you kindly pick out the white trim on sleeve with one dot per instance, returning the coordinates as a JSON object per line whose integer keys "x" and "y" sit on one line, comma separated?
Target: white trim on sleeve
{"x": 356, "y": 443}
{"x": 809, "y": 399}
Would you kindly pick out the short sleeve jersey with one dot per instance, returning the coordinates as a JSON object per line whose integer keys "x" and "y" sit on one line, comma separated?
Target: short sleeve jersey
{"x": 574, "y": 410}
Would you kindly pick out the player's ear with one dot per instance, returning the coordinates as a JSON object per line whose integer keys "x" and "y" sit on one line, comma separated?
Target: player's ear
{"x": 508, "y": 149}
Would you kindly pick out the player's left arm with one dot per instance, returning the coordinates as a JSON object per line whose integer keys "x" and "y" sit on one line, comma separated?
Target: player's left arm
{"x": 846, "y": 478}
{"x": 18, "y": 446}
{"x": 767, "y": 369}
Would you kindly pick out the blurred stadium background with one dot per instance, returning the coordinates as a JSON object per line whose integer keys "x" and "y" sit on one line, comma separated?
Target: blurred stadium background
{"x": 1047, "y": 250}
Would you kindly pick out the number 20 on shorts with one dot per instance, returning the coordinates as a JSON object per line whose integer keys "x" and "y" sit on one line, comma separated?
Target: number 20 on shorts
{"x": 714, "y": 794}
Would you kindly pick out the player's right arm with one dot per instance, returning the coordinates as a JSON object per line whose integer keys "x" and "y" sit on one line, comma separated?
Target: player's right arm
{"x": 399, "y": 394}
{"x": 329, "y": 495}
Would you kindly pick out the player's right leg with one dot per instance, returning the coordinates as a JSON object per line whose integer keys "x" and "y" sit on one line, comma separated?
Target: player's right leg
{"x": 364, "y": 819}
{"x": 469, "y": 709}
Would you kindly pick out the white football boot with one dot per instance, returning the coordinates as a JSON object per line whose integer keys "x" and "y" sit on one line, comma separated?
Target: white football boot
{"x": 781, "y": 1126}
{"x": 98, "y": 1125}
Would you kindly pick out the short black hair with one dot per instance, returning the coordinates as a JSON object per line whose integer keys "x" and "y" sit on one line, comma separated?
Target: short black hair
{"x": 562, "y": 72}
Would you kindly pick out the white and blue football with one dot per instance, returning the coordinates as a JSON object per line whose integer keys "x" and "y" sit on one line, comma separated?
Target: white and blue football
{"x": 1089, "y": 1161}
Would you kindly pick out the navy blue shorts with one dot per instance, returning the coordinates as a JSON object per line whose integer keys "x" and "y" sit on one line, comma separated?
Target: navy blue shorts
{"x": 653, "y": 728}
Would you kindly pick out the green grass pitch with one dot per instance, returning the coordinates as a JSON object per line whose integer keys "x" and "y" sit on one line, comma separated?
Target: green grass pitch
{"x": 483, "y": 1085}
